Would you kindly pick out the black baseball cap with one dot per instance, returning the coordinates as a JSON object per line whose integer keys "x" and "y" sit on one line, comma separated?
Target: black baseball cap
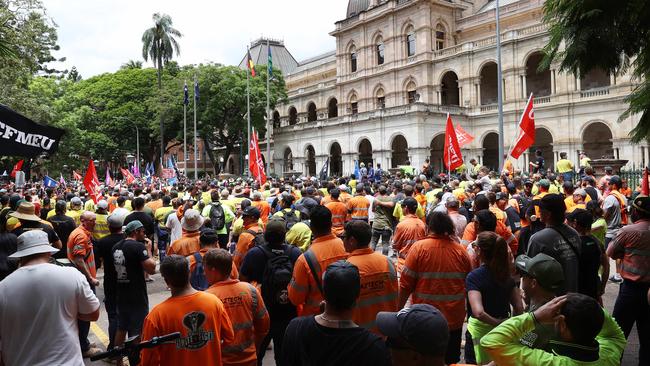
{"x": 341, "y": 284}
{"x": 410, "y": 203}
{"x": 251, "y": 211}
{"x": 421, "y": 326}
{"x": 545, "y": 269}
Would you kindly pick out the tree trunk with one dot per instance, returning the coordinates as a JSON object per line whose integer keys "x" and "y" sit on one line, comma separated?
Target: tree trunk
{"x": 162, "y": 127}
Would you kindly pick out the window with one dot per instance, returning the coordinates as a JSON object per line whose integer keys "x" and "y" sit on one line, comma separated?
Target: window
{"x": 412, "y": 97}
{"x": 354, "y": 107}
{"x": 353, "y": 61}
{"x": 381, "y": 102}
{"x": 293, "y": 116}
{"x": 440, "y": 37}
{"x": 333, "y": 108}
{"x": 311, "y": 112}
{"x": 276, "y": 119}
{"x": 410, "y": 44}
{"x": 380, "y": 54}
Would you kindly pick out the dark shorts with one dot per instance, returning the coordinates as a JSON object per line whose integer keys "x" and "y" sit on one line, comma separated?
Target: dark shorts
{"x": 131, "y": 318}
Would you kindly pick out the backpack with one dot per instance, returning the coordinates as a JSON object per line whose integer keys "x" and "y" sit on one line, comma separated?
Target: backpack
{"x": 217, "y": 216}
{"x": 197, "y": 277}
{"x": 290, "y": 218}
{"x": 524, "y": 203}
{"x": 259, "y": 237}
{"x": 276, "y": 278}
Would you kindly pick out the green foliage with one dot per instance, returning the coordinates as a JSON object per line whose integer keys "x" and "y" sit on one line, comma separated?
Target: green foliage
{"x": 611, "y": 35}
{"x": 158, "y": 42}
{"x": 132, "y": 64}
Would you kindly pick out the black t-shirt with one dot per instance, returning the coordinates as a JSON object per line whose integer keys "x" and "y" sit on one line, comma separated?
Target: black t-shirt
{"x": 128, "y": 256}
{"x": 588, "y": 279}
{"x": 63, "y": 225}
{"x": 26, "y": 226}
{"x": 593, "y": 194}
{"x": 144, "y": 218}
{"x": 309, "y": 343}
{"x": 44, "y": 212}
{"x": 8, "y": 246}
{"x": 562, "y": 243}
{"x": 495, "y": 295}
{"x": 540, "y": 164}
{"x": 104, "y": 251}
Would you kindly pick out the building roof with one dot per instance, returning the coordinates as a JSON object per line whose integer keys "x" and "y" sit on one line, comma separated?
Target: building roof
{"x": 356, "y": 6}
{"x": 315, "y": 61}
{"x": 282, "y": 58}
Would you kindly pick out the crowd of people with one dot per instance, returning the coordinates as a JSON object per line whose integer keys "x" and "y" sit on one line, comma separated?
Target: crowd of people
{"x": 485, "y": 267}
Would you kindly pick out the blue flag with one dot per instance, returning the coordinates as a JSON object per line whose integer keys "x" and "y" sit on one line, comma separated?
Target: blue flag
{"x": 324, "y": 170}
{"x": 186, "y": 95}
{"x": 196, "y": 91}
{"x": 49, "y": 182}
{"x": 356, "y": 169}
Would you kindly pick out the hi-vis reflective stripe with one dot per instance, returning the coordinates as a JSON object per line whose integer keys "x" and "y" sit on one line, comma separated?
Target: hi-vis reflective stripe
{"x": 391, "y": 269}
{"x": 641, "y": 252}
{"x": 237, "y": 348}
{"x": 377, "y": 300}
{"x": 338, "y": 216}
{"x": 242, "y": 326}
{"x": 255, "y": 303}
{"x": 360, "y": 209}
{"x": 359, "y": 218}
{"x": 637, "y": 271}
{"x": 510, "y": 239}
{"x": 435, "y": 275}
{"x": 297, "y": 286}
{"x": 455, "y": 297}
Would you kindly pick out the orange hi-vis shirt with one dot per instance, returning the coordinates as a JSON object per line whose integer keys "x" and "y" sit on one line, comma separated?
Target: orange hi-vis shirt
{"x": 327, "y": 199}
{"x": 265, "y": 209}
{"x": 536, "y": 200}
{"x": 339, "y": 214}
{"x": 345, "y": 197}
{"x": 422, "y": 199}
{"x": 80, "y": 244}
{"x": 379, "y": 288}
{"x": 245, "y": 242}
{"x": 249, "y": 318}
{"x": 434, "y": 273}
{"x": 502, "y": 230}
{"x": 407, "y": 232}
{"x": 501, "y": 216}
{"x": 234, "y": 273}
{"x": 303, "y": 289}
{"x": 358, "y": 208}
{"x": 186, "y": 245}
{"x": 203, "y": 322}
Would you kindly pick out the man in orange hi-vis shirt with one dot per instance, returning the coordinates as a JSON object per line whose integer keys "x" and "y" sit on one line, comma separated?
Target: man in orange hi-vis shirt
{"x": 200, "y": 318}
{"x": 339, "y": 212}
{"x": 305, "y": 288}
{"x": 358, "y": 205}
{"x": 244, "y": 306}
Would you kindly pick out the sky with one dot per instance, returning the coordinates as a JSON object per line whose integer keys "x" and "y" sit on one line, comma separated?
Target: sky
{"x": 99, "y": 36}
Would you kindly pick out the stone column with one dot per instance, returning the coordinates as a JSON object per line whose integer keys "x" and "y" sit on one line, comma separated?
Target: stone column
{"x": 578, "y": 83}
{"x": 524, "y": 89}
{"x": 478, "y": 92}
{"x": 553, "y": 86}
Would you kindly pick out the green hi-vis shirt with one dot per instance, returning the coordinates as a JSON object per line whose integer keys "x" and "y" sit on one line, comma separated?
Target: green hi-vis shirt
{"x": 504, "y": 346}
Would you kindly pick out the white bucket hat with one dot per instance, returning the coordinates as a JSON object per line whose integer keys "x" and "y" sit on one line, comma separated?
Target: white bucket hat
{"x": 33, "y": 242}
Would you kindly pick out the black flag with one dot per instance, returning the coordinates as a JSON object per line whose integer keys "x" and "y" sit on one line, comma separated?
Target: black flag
{"x": 20, "y": 136}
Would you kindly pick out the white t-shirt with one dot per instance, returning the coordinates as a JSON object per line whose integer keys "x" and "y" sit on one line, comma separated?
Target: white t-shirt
{"x": 39, "y": 305}
{"x": 371, "y": 213}
{"x": 175, "y": 226}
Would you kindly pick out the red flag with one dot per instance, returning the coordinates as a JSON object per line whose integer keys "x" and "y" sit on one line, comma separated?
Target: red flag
{"x": 645, "y": 186}
{"x": 464, "y": 138}
{"x": 250, "y": 64}
{"x": 18, "y": 167}
{"x": 127, "y": 175}
{"x": 256, "y": 165}
{"x": 91, "y": 182}
{"x": 452, "y": 156}
{"x": 75, "y": 175}
{"x": 527, "y": 135}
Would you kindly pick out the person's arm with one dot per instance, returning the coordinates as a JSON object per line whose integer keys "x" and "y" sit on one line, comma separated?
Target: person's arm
{"x": 516, "y": 300}
{"x": 299, "y": 286}
{"x": 616, "y": 248}
{"x": 88, "y": 304}
{"x": 478, "y": 312}
{"x": 57, "y": 244}
{"x": 408, "y": 280}
{"x": 149, "y": 356}
{"x": 611, "y": 339}
{"x": 80, "y": 263}
{"x": 261, "y": 319}
{"x": 149, "y": 266}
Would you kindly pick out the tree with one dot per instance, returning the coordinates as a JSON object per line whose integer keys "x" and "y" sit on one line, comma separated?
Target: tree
{"x": 74, "y": 75}
{"x": 132, "y": 64}
{"x": 611, "y": 35}
{"x": 159, "y": 44}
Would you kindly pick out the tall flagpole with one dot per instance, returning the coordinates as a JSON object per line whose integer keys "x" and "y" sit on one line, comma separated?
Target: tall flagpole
{"x": 499, "y": 88}
{"x": 269, "y": 69}
{"x": 196, "y": 147}
{"x": 248, "y": 107}
{"x": 185, "y": 127}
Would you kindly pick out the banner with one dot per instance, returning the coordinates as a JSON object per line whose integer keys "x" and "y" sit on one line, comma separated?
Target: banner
{"x": 452, "y": 155}
{"x": 527, "y": 134}
{"x": 256, "y": 165}
{"x": 464, "y": 138}
{"x": 49, "y": 182}
{"x": 91, "y": 182}
{"x": 127, "y": 176}
{"x": 76, "y": 176}
{"x": 109, "y": 181}
{"x": 324, "y": 171}
{"x": 20, "y": 136}
{"x": 18, "y": 167}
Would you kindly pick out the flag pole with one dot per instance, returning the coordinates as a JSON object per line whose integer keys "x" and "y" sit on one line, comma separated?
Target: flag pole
{"x": 269, "y": 67}
{"x": 185, "y": 128}
{"x": 196, "y": 147}
{"x": 499, "y": 87}
{"x": 248, "y": 107}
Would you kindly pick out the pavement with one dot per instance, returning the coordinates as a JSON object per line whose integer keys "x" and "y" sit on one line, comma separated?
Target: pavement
{"x": 158, "y": 292}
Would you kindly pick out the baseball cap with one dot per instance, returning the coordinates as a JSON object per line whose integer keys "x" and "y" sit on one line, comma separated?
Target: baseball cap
{"x": 102, "y": 204}
{"x": 75, "y": 201}
{"x": 421, "y": 326}
{"x": 545, "y": 183}
{"x": 528, "y": 181}
{"x": 208, "y": 236}
{"x": 115, "y": 221}
{"x": 410, "y": 203}
{"x": 642, "y": 203}
{"x": 251, "y": 211}
{"x": 341, "y": 284}
{"x": 552, "y": 203}
{"x": 545, "y": 269}
{"x": 502, "y": 196}
{"x": 132, "y": 226}
{"x": 615, "y": 179}
{"x": 580, "y": 192}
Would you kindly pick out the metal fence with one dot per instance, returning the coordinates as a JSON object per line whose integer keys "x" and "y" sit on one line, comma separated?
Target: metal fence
{"x": 633, "y": 176}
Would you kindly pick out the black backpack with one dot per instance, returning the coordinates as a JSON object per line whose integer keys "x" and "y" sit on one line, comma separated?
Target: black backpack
{"x": 259, "y": 237}
{"x": 217, "y": 216}
{"x": 290, "y": 218}
{"x": 276, "y": 278}
{"x": 198, "y": 280}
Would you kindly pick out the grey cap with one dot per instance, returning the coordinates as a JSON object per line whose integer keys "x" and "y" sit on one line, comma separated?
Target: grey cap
{"x": 115, "y": 221}
{"x": 103, "y": 204}
{"x": 75, "y": 201}
{"x": 33, "y": 242}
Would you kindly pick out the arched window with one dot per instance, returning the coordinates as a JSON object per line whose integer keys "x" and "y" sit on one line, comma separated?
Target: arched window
{"x": 293, "y": 116}
{"x": 354, "y": 105}
{"x": 333, "y": 108}
{"x": 380, "y": 53}
{"x": 440, "y": 36}
{"x": 353, "y": 60}
{"x": 380, "y": 98}
{"x": 411, "y": 93}
{"x": 311, "y": 112}
{"x": 276, "y": 119}
{"x": 410, "y": 42}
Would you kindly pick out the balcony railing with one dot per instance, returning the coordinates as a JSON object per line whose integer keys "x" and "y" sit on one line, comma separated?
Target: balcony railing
{"x": 542, "y": 100}
{"x": 594, "y": 92}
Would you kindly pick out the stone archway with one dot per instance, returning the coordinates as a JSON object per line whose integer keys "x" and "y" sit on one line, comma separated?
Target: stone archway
{"x": 538, "y": 83}
{"x": 336, "y": 160}
{"x": 288, "y": 160}
{"x": 437, "y": 151}
{"x": 597, "y": 141}
{"x": 489, "y": 84}
{"x": 449, "y": 89}
{"x": 491, "y": 151}
{"x": 400, "y": 154}
{"x": 365, "y": 152}
{"x": 310, "y": 161}
{"x": 544, "y": 142}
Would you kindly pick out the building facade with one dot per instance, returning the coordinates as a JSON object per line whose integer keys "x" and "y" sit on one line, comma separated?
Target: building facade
{"x": 401, "y": 65}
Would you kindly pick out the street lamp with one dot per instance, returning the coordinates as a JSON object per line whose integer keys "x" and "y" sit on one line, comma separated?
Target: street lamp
{"x": 130, "y": 159}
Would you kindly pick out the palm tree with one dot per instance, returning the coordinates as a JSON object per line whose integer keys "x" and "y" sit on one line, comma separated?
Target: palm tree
{"x": 131, "y": 64}
{"x": 159, "y": 44}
